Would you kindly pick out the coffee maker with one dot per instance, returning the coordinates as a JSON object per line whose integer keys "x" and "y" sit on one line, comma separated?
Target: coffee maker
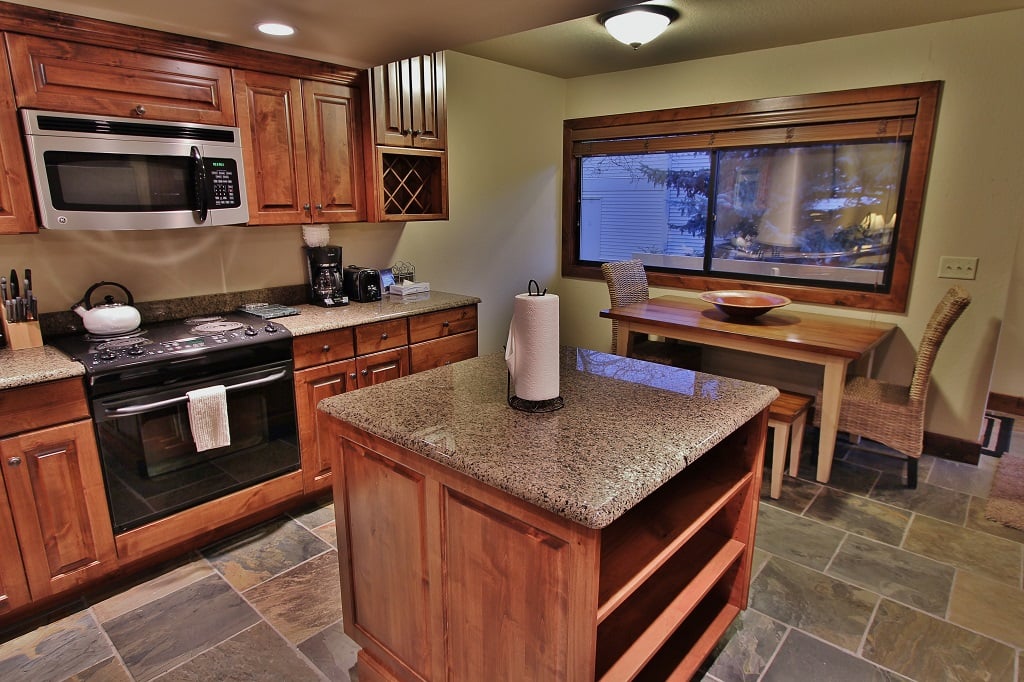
{"x": 326, "y": 283}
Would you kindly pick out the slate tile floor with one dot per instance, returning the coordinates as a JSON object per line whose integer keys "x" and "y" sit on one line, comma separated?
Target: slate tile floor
{"x": 861, "y": 579}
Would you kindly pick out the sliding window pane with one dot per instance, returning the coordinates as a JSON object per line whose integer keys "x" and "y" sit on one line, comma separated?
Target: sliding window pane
{"x": 648, "y": 206}
{"x": 812, "y": 212}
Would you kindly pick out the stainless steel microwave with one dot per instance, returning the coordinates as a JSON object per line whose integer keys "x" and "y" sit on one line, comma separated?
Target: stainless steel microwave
{"x": 109, "y": 173}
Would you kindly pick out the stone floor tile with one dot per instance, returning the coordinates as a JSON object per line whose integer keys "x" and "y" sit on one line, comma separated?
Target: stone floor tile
{"x": 110, "y": 670}
{"x": 316, "y": 513}
{"x": 894, "y": 573}
{"x": 332, "y": 652}
{"x": 803, "y": 657}
{"x": 258, "y": 653}
{"x": 857, "y": 514}
{"x": 966, "y": 478}
{"x": 876, "y": 456}
{"x": 927, "y": 499}
{"x": 801, "y": 540}
{"x": 976, "y": 520}
{"x": 923, "y": 647}
{"x": 989, "y": 607}
{"x": 797, "y": 493}
{"x": 744, "y": 651}
{"x": 53, "y": 652}
{"x": 153, "y": 585}
{"x": 328, "y": 533}
{"x": 163, "y": 634}
{"x": 251, "y": 557}
{"x": 971, "y": 550}
{"x": 844, "y": 476}
{"x": 302, "y": 601}
{"x": 761, "y": 557}
{"x": 814, "y": 602}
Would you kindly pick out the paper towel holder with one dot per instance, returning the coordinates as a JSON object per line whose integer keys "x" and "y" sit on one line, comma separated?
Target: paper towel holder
{"x": 530, "y": 287}
{"x": 535, "y": 406}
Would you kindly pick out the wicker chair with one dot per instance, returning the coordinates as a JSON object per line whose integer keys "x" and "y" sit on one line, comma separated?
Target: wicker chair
{"x": 893, "y": 414}
{"x": 627, "y": 283}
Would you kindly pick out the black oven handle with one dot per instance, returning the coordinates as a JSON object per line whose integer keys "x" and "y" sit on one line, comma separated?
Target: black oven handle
{"x": 148, "y": 407}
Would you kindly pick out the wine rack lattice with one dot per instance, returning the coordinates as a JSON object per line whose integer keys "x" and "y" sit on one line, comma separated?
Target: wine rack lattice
{"x": 411, "y": 184}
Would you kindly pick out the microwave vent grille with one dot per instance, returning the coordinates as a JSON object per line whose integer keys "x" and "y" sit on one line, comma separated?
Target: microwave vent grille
{"x": 99, "y": 126}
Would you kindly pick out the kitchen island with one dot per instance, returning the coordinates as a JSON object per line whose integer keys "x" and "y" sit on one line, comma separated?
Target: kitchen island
{"x": 609, "y": 538}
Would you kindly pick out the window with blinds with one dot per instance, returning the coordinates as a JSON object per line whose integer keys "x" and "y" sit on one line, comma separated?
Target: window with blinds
{"x": 817, "y": 197}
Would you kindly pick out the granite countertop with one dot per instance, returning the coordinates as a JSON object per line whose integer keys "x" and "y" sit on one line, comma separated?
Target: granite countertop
{"x": 627, "y": 427}
{"x": 37, "y": 365}
{"x": 312, "y": 319}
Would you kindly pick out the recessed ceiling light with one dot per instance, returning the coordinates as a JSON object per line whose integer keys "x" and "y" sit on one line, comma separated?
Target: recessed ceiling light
{"x": 274, "y": 29}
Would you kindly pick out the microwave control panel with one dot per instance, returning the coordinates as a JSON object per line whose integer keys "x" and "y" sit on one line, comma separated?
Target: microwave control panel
{"x": 223, "y": 175}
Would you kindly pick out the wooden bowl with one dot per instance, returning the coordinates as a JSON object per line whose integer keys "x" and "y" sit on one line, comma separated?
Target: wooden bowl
{"x": 744, "y": 304}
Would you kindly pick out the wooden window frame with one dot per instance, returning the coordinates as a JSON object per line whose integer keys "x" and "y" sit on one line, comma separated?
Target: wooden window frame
{"x": 912, "y": 106}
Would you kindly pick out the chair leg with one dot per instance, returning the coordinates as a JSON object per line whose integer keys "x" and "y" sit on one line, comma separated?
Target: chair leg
{"x": 779, "y": 442}
{"x": 796, "y": 440}
{"x": 912, "y": 472}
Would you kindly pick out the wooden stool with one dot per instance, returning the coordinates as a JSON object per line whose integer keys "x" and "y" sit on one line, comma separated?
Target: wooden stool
{"x": 788, "y": 413}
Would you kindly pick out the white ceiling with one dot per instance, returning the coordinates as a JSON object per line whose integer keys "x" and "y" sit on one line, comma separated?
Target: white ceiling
{"x": 558, "y": 37}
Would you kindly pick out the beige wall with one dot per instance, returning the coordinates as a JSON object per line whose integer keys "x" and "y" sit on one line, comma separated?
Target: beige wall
{"x": 972, "y": 206}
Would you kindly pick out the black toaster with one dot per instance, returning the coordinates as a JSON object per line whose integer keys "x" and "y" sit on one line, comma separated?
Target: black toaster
{"x": 361, "y": 284}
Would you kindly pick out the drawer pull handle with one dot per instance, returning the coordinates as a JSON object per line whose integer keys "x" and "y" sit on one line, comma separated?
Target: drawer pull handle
{"x": 326, "y": 348}
{"x": 445, "y": 324}
{"x": 14, "y": 461}
{"x": 384, "y": 335}
{"x": 365, "y": 372}
{"x": 139, "y": 110}
{"x": 352, "y": 375}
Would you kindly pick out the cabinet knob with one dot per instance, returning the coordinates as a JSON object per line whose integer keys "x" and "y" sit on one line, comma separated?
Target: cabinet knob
{"x": 417, "y": 133}
{"x": 352, "y": 375}
{"x": 445, "y": 324}
{"x": 14, "y": 461}
{"x": 365, "y": 372}
{"x": 139, "y": 110}
{"x": 326, "y": 348}
{"x": 384, "y": 335}
{"x": 406, "y": 131}
{"x": 305, "y": 207}
{"x": 320, "y": 207}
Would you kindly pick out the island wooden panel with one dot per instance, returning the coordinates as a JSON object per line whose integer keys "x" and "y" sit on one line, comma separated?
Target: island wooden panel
{"x": 511, "y": 591}
{"x": 13, "y": 584}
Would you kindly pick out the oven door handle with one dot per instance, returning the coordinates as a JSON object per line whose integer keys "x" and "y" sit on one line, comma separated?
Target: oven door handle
{"x": 148, "y": 407}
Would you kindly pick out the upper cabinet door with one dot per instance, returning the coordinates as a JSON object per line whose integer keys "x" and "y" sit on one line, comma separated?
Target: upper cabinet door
{"x": 409, "y": 102}
{"x": 66, "y": 76}
{"x": 334, "y": 148}
{"x": 17, "y": 211}
{"x": 274, "y": 147}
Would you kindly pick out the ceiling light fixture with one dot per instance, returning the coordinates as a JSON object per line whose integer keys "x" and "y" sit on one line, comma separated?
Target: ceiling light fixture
{"x": 274, "y": 29}
{"x": 637, "y": 25}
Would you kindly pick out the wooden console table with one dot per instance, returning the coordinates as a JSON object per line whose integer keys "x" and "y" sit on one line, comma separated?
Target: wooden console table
{"x": 826, "y": 340}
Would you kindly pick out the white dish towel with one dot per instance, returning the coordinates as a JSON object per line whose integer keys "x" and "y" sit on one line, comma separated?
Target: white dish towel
{"x": 208, "y": 417}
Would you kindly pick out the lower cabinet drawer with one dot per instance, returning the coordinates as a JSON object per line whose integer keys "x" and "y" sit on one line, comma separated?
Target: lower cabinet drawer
{"x": 317, "y": 349}
{"x": 444, "y": 351}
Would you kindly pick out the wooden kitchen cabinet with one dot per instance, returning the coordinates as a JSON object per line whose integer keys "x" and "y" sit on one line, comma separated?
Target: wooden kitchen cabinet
{"x": 442, "y": 338}
{"x": 67, "y": 76}
{"x": 301, "y": 144}
{"x": 410, "y": 137}
{"x": 311, "y": 386}
{"x": 17, "y": 210}
{"x": 493, "y": 587}
{"x": 409, "y": 102}
{"x": 13, "y": 584}
{"x": 55, "y": 489}
{"x": 377, "y": 368}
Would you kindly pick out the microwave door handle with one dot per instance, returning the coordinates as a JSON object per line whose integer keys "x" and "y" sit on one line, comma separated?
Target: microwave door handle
{"x": 149, "y": 407}
{"x": 198, "y": 183}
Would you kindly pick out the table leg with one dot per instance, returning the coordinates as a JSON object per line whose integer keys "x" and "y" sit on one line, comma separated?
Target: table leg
{"x": 622, "y": 343}
{"x": 831, "y": 397}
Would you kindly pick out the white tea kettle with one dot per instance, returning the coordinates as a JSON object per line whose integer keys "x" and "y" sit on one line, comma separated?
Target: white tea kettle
{"x": 108, "y": 317}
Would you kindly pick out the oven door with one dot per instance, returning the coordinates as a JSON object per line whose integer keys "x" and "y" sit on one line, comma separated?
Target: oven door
{"x": 150, "y": 463}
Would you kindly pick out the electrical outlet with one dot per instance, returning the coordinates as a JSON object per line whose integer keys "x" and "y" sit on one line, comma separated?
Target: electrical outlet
{"x": 954, "y": 267}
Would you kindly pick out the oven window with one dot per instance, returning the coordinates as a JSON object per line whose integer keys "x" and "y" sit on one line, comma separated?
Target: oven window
{"x": 88, "y": 181}
{"x": 152, "y": 468}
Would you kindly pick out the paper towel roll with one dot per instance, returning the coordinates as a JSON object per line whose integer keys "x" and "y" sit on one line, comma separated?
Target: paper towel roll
{"x": 532, "y": 349}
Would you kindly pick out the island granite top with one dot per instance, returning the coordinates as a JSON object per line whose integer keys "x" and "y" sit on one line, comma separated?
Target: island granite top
{"x": 627, "y": 427}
